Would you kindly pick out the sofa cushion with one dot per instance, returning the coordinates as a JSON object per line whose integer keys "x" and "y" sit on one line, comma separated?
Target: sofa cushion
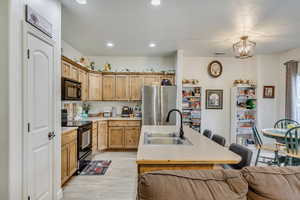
{"x": 192, "y": 185}
{"x": 273, "y": 183}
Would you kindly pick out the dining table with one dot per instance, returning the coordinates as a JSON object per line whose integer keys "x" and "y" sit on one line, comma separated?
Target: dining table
{"x": 276, "y": 133}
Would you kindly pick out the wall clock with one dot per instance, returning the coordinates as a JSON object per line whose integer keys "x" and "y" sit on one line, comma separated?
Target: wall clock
{"x": 215, "y": 69}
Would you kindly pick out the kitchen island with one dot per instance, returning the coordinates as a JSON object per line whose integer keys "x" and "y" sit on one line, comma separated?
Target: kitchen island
{"x": 202, "y": 153}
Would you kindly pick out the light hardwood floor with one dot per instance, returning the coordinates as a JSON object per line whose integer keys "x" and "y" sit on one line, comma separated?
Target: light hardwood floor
{"x": 119, "y": 182}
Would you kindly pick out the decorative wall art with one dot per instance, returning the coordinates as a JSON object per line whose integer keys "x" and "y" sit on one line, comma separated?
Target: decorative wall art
{"x": 269, "y": 92}
{"x": 215, "y": 69}
{"x": 214, "y": 99}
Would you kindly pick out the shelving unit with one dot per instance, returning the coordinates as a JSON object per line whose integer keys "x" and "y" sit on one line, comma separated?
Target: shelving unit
{"x": 191, "y": 106}
{"x": 243, "y": 114}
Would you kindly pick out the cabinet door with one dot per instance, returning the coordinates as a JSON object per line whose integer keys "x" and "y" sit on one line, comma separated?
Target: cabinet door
{"x": 64, "y": 163}
{"x": 94, "y": 87}
{"x": 74, "y": 73}
{"x": 65, "y": 70}
{"x": 72, "y": 157}
{"x": 132, "y": 135}
{"x": 83, "y": 79}
{"x": 136, "y": 84}
{"x": 108, "y": 87}
{"x": 102, "y": 136}
{"x": 122, "y": 87}
{"x": 94, "y": 139}
{"x": 151, "y": 79}
{"x": 116, "y": 137}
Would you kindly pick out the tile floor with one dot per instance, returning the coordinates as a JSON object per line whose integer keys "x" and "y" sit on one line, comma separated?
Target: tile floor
{"x": 119, "y": 182}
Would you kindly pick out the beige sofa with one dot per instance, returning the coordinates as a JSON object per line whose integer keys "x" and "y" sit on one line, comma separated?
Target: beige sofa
{"x": 251, "y": 183}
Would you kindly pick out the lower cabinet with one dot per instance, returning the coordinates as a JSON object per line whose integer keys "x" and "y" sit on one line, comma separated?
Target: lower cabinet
{"x": 102, "y": 135}
{"x": 68, "y": 155}
{"x": 95, "y": 137}
{"x": 123, "y": 137}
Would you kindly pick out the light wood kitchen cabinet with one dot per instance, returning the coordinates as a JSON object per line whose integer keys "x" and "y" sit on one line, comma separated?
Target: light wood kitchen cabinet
{"x": 83, "y": 79}
{"x": 116, "y": 137}
{"x": 102, "y": 135}
{"x": 123, "y": 134}
{"x": 68, "y": 155}
{"x": 74, "y": 73}
{"x": 122, "y": 87}
{"x": 64, "y": 163}
{"x": 151, "y": 79}
{"x": 65, "y": 69}
{"x": 95, "y": 88}
{"x": 108, "y": 87}
{"x": 136, "y": 85}
{"x": 132, "y": 135}
{"x": 95, "y": 137}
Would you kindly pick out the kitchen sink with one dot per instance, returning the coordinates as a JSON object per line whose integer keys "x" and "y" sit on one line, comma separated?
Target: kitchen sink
{"x": 165, "y": 139}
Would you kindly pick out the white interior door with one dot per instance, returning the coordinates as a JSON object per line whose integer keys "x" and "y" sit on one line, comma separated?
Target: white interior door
{"x": 39, "y": 105}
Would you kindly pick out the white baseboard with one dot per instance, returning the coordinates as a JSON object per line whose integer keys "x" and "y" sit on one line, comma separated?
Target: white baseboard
{"x": 59, "y": 194}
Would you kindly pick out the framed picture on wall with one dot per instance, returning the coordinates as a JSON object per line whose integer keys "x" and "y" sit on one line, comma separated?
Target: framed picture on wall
{"x": 269, "y": 92}
{"x": 214, "y": 99}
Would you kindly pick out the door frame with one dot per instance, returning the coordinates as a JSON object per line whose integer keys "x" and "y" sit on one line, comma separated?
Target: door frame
{"x": 56, "y": 189}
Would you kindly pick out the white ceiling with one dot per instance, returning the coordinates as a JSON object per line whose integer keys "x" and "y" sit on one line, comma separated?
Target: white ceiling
{"x": 199, "y": 27}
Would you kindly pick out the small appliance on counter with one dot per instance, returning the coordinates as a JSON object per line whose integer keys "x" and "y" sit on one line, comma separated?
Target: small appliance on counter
{"x": 107, "y": 112}
{"x": 126, "y": 111}
{"x": 137, "y": 110}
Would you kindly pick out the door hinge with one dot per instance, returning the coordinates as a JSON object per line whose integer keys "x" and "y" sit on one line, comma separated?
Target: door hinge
{"x": 28, "y": 127}
{"x": 28, "y": 53}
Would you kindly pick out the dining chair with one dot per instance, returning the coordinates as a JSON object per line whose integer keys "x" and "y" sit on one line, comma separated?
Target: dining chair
{"x": 219, "y": 139}
{"x": 244, "y": 153}
{"x": 283, "y": 123}
{"x": 292, "y": 143}
{"x": 207, "y": 133}
{"x": 274, "y": 148}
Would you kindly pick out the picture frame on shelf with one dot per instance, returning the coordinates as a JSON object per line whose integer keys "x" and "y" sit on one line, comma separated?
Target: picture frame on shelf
{"x": 214, "y": 99}
{"x": 269, "y": 92}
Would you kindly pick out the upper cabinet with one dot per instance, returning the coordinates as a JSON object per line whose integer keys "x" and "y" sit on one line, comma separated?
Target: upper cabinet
{"x": 151, "y": 79}
{"x": 84, "y": 80}
{"x": 122, "y": 87}
{"x": 108, "y": 87}
{"x": 136, "y": 84}
{"x": 95, "y": 87}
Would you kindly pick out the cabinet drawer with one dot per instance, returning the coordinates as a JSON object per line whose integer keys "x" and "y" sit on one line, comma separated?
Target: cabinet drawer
{"x": 124, "y": 123}
{"x": 68, "y": 137}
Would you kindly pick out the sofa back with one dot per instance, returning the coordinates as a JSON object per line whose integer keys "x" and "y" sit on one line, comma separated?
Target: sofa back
{"x": 252, "y": 183}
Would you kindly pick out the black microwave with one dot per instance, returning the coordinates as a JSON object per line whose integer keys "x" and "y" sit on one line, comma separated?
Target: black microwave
{"x": 70, "y": 90}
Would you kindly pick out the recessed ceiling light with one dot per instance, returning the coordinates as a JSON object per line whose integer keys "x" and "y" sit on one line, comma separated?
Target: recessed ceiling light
{"x": 82, "y": 2}
{"x": 155, "y": 2}
{"x": 110, "y": 44}
{"x": 152, "y": 45}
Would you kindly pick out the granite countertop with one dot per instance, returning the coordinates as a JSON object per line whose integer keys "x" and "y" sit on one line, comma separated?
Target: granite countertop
{"x": 203, "y": 150}
{"x": 67, "y": 129}
{"x": 113, "y": 118}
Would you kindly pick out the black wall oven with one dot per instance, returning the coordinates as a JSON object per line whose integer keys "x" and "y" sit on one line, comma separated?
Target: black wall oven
{"x": 70, "y": 90}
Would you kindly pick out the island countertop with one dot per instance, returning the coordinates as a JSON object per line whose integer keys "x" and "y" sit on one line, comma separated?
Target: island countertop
{"x": 202, "y": 151}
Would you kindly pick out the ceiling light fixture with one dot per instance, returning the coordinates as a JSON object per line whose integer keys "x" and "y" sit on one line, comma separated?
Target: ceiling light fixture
{"x": 82, "y": 2}
{"x": 244, "y": 48}
{"x": 152, "y": 45}
{"x": 155, "y": 2}
{"x": 110, "y": 44}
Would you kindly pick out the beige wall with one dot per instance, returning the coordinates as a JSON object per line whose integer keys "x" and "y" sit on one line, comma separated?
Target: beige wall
{"x": 4, "y": 99}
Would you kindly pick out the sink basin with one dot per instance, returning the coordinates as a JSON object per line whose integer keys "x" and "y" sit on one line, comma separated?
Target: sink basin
{"x": 161, "y": 134}
{"x": 165, "y": 139}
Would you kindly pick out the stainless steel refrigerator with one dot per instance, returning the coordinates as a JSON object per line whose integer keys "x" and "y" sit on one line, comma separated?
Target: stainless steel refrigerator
{"x": 156, "y": 103}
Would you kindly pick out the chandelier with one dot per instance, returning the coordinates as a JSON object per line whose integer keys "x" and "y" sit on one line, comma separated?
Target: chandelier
{"x": 244, "y": 48}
